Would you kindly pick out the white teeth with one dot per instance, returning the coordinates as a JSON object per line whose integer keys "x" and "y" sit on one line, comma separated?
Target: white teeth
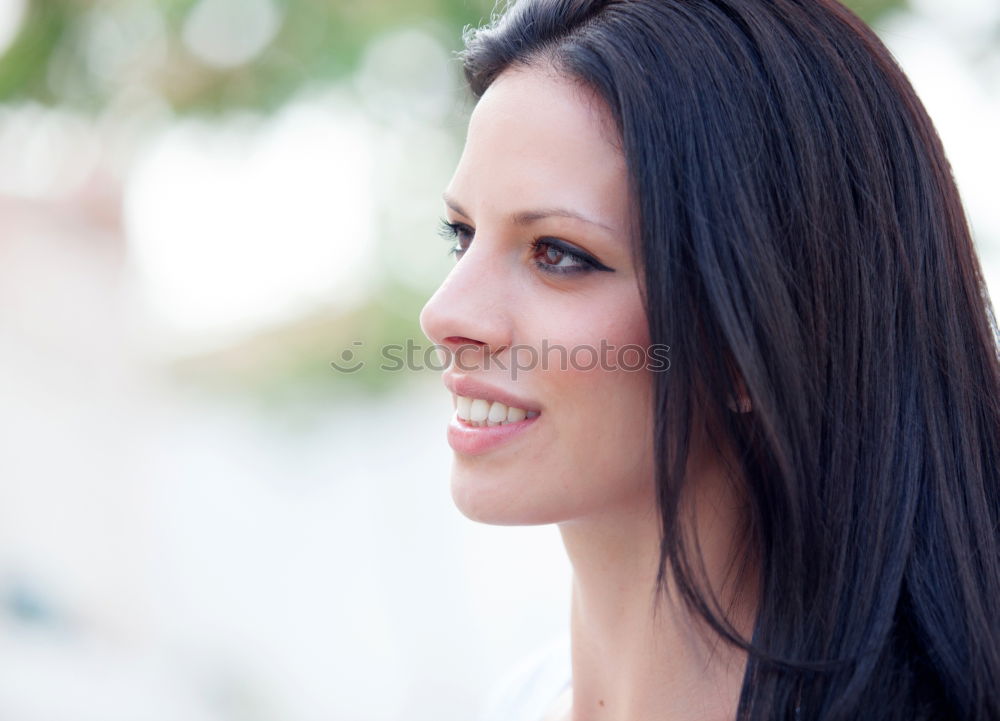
{"x": 463, "y": 407}
{"x": 479, "y": 412}
{"x": 498, "y": 413}
{"x": 515, "y": 414}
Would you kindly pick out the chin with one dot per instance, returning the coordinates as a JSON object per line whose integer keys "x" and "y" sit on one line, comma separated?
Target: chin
{"x": 497, "y": 498}
{"x": 486, "y": 494}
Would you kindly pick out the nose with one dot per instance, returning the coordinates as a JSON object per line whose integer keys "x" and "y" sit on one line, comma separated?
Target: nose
{"x": 471, "y": 308}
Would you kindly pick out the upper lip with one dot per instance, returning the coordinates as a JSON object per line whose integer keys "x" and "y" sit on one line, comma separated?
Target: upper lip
{"x": 472, "y": 388}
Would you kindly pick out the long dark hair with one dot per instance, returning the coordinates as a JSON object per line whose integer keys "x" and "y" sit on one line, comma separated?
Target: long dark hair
{"x": 802, "y": 238}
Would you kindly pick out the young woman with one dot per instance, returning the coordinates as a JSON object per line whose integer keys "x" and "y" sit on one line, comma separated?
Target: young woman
{"x": 796, "y": 516}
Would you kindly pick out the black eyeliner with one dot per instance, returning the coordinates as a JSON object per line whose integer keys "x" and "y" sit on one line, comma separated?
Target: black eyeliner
{"x": 451, "y": 232}
{"x": 575, "y": 252}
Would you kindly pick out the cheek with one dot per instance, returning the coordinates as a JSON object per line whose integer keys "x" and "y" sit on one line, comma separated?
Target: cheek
{"x": 605, "y": 432}
{"x": 604, "y": 341}
{"x": 602, "y": 403}
{"x": 595, "y": 451}
{"x": 615, "y": 316}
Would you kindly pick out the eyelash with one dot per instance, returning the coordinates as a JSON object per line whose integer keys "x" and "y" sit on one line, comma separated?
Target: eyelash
{"x": 453, "y": 232}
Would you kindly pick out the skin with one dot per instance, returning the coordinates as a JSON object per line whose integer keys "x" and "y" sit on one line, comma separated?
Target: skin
{"x": 536, "y": 141}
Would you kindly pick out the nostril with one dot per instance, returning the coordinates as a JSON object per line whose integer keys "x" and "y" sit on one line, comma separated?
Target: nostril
{"x": 462, "y": 340}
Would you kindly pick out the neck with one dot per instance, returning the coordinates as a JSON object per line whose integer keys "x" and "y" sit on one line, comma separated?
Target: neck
{"x": 628, "y": 666}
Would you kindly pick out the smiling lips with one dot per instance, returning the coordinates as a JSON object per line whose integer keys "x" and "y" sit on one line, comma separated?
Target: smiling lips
{"x": 486, "y": 416}
{"x": 480, "y": 413}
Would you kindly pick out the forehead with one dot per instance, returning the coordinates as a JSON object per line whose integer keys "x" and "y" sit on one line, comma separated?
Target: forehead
{"x": 536, "y": 137}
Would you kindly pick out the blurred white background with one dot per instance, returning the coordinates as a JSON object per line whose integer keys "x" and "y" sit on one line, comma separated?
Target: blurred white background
{"x": 202, "y": 203}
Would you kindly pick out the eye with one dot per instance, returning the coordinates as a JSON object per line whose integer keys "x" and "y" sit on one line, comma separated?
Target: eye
{"x": 458, "y": 234}
{"x": 555, "y": 256}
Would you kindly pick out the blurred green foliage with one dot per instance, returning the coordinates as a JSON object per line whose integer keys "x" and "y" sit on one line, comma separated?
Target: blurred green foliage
{"x": 87, "y": 54}
{"x": 51, "y": 60}
{"x": 317, "y": 40}
{"x": 296, "y": 358}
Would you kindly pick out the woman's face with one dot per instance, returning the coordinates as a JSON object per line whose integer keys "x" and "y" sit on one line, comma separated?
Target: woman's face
{"x": 542, "y": 215}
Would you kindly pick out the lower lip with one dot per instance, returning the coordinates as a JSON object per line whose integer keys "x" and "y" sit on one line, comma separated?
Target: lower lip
{"x": 476, "y": 440}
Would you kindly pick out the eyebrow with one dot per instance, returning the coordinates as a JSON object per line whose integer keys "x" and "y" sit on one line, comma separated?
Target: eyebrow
{"x": 526, "y": 217}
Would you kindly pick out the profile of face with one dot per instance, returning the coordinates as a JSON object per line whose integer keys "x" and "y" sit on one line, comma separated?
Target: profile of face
{"x": 540, "y": 208}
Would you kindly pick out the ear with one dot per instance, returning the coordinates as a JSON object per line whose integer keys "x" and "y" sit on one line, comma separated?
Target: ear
{"x": 742, "y": 403}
